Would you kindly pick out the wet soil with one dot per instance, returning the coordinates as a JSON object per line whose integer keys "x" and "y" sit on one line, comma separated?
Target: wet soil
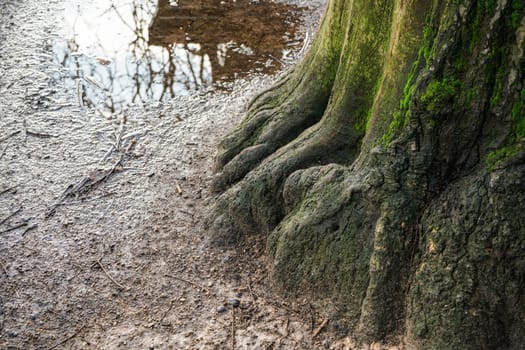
{"x": 101, "y": 245}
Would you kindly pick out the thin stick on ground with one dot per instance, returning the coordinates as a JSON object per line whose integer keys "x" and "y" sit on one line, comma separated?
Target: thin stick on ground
{"x": 189, "y": 282}
{"x": 278, "y": 60}
{"x": 10, "y": 135}
{"x": 67, "y": 339}
{"x": 104, "y": 177}
{"x": 7, "y": 189}
{"x": 82, "y": 186}
{"x": 40, "y": 134}
{"x": 10, "y": 215}
{"x": 109, "y": 276}
{"x": 3, "y": 152}
{"x": 118, "y": 137}
{"x": 320, "y": 328}
{"x": 305, "y": 45}
{"x": 17, "y": 226}
{"x": 30, "y": 228}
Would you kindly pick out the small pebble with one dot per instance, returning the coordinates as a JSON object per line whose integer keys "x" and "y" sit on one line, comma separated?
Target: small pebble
{"x": 235, "y": 302}
{"x": 221, "y": 309}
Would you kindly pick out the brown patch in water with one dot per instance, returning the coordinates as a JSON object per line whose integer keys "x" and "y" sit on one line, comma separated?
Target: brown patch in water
{"x": 137, "y": 52}
{"x": 238, "y": 36}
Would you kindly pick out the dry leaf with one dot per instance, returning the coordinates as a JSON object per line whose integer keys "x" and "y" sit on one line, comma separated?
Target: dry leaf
{"x": 104, "y": 60}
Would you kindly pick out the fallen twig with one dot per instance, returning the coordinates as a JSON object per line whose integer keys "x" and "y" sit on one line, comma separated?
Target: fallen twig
{"x": 107, "y": 154}
{"x": 10, "y": 215}
{"x": 32, "y": 227}
{"x": 186, "y": 212}
{"x": 9, "y": 85}
{"x": 278, "y": 60}
{"x": 105, "y": 176}
{"x": 17, "y": 226}
{"x": 14, "y": 133}
{"x": 7, "y": 190}
{"x": 80, "y": 93}
{"x": 189, "y": 282}
{"x": 84, "y": 185}
{"x": 320, "y": 328}
{"x": 118, "y": 137}
{"x": 3, "y": 152}
{"x": 67, "y": 339}
{"x": 305, "y": 45}
{"x": 109, "y": 276}
{"x": 40, "y": 134}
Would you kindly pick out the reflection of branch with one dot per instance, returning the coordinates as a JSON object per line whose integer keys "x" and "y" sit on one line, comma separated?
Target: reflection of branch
{"x": 187, "y": 82}
{"x": 172, "y": 70}
{"x": 125, "y": 81}
{"x": 190, "y": 65}
{"x": 113, "y": 7}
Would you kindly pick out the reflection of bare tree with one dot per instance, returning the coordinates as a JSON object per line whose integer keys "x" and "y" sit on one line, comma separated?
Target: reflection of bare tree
{"x": 228, "y": 31}
{"x": 173, "y": 49}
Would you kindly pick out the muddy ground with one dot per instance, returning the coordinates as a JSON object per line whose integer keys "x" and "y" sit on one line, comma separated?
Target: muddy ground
{"x": 101, "y": 245}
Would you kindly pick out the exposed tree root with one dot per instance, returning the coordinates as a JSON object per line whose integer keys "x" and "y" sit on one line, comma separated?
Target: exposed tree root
{"x": 396, "y": 217}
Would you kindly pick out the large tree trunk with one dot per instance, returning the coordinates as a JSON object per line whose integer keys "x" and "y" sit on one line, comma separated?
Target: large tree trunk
{"x": 388, "y": 172}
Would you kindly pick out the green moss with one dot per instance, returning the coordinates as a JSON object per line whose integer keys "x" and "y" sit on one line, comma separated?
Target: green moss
{"x": 517, "y": 12}
{"x": 440, "y": 92}
{"x": 461, "y": 64}
{"x": 514, "y": 145}
{"x": 361, "y": 120}
{"x": 471, "y": 95}
{"x": 427, "y": 50}
{"x": 501, "y": 155}
{"x": 489, "y": 5}
{"x": 518, "y": 117}
{"x": 498, "y": 87}
{"x": 425, "y": 54}
{"x": 484, "y": 10}
{"x": 362, "y": 125}
{"x": 518, "y": 133}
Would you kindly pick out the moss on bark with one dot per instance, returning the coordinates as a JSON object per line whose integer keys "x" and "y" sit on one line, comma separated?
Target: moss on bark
{"x": 387, "y": 171}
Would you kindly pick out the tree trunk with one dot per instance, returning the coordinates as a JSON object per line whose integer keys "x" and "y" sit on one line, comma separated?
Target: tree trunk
{"x": 387, "y": 171}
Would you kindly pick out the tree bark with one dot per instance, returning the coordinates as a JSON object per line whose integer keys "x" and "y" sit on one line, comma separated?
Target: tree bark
{"x": 387, "y": 171}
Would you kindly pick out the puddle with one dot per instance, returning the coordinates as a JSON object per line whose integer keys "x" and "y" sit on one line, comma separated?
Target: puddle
{"x": 121, "y": 52}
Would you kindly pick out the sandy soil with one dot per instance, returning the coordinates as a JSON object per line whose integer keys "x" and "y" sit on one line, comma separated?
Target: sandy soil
{"x": 101, "y": 241}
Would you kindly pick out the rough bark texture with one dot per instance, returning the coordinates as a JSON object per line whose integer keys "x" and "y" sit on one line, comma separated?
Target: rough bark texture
{"x": 388, "y": 172}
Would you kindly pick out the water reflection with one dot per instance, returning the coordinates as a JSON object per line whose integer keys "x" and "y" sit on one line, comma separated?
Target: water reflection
{"x": 133, "y": 51}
